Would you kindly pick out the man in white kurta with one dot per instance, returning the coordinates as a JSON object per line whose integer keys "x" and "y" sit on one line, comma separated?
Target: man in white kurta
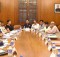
{"x": 52, "y": 28}
{"x": 35, "y": 25}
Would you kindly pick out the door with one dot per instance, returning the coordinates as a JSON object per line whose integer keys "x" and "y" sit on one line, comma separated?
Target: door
{"x": 27, "y": 10}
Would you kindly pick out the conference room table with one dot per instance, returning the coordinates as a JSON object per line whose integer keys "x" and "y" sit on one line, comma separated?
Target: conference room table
{"x": 29, "y": 44}
{"x": 55, "y": 38}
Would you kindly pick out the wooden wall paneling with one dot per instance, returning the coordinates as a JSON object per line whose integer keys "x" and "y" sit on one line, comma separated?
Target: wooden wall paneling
{"x": 3, "y": 11}
{"x": 16, "y": 12}
{"x": 7, "y": 12}
{"x": 45, "y": 11}
{"x": 42, "y": 10}
{"x": 11, "y": 9}
{"x": 57, "y": 15}
{"x": 38, "y": 9}
{"x": 48, "y": 10}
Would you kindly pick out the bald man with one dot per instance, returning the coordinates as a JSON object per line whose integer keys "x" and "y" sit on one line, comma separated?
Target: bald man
{"x": 53, "y": 28}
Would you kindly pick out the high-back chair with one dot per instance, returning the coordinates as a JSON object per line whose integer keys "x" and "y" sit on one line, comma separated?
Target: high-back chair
{"x": 16, "y": 27}
{"x": 59, "y": 27}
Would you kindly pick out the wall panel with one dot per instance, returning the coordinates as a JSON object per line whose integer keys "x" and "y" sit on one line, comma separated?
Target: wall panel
{"x": 45, "y": 11}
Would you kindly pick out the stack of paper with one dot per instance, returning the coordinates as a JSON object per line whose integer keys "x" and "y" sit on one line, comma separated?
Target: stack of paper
{"x": 6, "y": 35}
{"x": 2, "y": 51}
{"x": 57, "y": 42}
{"x": 58, "y": 47}
{"x": 27, "y": 29}
{"x": 51, "y": 35}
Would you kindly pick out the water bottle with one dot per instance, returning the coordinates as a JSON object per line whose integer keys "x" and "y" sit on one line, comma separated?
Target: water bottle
{"x": 12, "y": 43}
{"x": 10, "y": 52}
{"x": 39, "y": 34}
{"x": 21, "y": 56}
{"x": 46, "y": 41}
{"x": 31, "y": 29}
{"x": 58, "y": 54}
{"x": 49, "y": 41}
{"x": 24, "y": 28}
{"x": 18, "y": 31}
{"x": 58, "y": 51}
{"x": 53, "y": 54}
{"x": 14, "y": 52}
{"x": 43, "y": 36}
{"x": 53, "y": 48}
{"x": 49, "y": 44}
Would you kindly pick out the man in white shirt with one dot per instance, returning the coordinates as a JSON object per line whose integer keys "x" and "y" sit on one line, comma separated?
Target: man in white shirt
{"x": 41, "y": 24}
{"x": 35, "y": 25}
{"x": 46, "y": 27}
{"x": 2, "y": 28}
{"x": 53, "y": 28}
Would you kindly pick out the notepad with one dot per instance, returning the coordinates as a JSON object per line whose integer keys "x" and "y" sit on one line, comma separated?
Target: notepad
{"x": 5, "y": 41}
{"x": 2, "y": 47}
{"x": 55, "y": 41}
{"x": 59, "y": 50}
{"x": 2, "y": 51}
{"x": 51, "y": 35}
{"x": 58, "y": 47}
{"x": 14, "y": 31}
{"x": 27, "y": 29}
{"x": 6, "y": 35}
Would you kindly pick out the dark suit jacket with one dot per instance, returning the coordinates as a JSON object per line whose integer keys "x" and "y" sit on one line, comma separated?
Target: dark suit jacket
{"x": 10, "y": 27}
{"x": 27, "y": 25}
{"x": 58, "y": 10}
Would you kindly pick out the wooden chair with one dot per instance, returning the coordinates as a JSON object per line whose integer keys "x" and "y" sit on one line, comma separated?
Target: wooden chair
{"x": 59, "y": 27}
{"x": 16, "y": 27}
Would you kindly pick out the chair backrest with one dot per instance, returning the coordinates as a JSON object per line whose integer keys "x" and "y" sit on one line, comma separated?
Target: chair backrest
{"x": 59, "y": 27}
{"x": 17, "y": 26}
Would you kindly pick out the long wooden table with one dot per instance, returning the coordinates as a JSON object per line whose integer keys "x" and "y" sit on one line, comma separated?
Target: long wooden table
{"x": 30, "y": 45}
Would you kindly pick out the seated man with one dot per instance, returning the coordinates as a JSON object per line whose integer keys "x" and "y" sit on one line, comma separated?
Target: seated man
{"x": 46, "y": 28}
{"x": 1, "y": 43}
{"x": 1, "y": 34}
{"x": 9, "y": 27}
{"x": 2, "y": 28}
{"x": 2, "y": 24}
{"x": 53, "y": 28}
{"x": 35, "y": 25}
{"x": 41, "y": 24}
{"x": 27, "y": 24}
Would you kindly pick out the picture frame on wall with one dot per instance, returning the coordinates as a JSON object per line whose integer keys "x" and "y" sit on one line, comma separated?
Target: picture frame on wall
{"x": 57, "y": 8}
